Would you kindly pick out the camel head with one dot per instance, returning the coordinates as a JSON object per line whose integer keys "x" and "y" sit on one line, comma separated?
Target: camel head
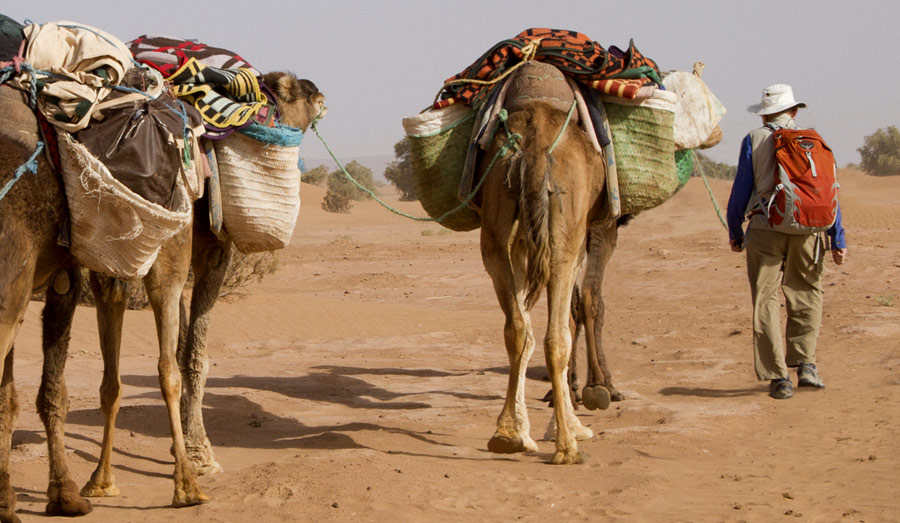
{"x": 299, "y": 101}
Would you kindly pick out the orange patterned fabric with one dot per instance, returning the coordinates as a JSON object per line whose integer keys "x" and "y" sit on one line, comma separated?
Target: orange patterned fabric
{"x": 573, "y": 53}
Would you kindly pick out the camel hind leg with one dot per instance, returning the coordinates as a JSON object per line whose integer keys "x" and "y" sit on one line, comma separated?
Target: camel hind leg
{"x": 504, "y": 259}
{"x": 210, "y": 261}
{"x": 110, "y": 298}
{"x": 53, "y": 398}
{"x": 164, "y": 284}
{"x": 599, "y": 390}
{"x": 564, "y": 260}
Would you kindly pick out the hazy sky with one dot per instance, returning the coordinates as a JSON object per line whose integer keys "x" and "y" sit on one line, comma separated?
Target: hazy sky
{"x": 379, "y": 61}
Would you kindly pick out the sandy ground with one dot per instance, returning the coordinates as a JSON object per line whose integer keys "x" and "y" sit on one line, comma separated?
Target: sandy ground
{"x": 363, "y": 380}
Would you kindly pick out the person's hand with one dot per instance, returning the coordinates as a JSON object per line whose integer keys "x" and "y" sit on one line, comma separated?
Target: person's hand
{"x": 736, "y": 245}
{"x": 838, "y": 255}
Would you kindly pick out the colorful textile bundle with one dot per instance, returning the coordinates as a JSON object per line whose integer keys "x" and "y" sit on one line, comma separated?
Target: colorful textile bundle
{"x": 219, "y": 83}
{"x": 571, "y": 52}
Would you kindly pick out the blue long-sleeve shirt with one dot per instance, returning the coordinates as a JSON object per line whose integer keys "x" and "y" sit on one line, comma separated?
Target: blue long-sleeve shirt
{"x": 742, "y": 191}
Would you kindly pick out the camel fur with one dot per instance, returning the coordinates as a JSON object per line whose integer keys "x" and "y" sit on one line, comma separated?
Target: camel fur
{"x": 537, "y": 207}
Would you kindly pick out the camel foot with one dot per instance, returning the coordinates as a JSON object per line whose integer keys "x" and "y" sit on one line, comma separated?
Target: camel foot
{"x": 187, "y": 490}
{"x": 568, "y": 457}
{"x": 596, "y": 397}
{"x": 203, "y": 459}
{"x": 508, "y": 445}
{"x": 97, "y": 489}
{"x": 582, "y": 433}
{"x": 615, "y": 394}
{"x": 207, "y": 468}
{"x": 7, "y": 501}
{"x": 64, "y": 500}
{"x": 185, "y": 499}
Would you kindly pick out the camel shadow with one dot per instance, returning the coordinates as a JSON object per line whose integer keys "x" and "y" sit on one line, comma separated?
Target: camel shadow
{"x": 708, "y": 393}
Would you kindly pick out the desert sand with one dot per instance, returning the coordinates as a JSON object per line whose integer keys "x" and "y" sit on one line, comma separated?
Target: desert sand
{"x": 362, "y": 381}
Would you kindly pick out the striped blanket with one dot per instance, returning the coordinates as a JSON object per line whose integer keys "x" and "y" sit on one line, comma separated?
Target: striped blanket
{"x": 571, "y": 52}
{"x": 218, "y": 82}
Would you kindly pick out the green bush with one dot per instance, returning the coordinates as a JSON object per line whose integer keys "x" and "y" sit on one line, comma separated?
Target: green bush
{"x": 315, "y": 176}
{"x": 713, "y": 169}
{"x": 400, "y": 171}
{"x": 881, "y": 152}
{"x": 342, "y": 192}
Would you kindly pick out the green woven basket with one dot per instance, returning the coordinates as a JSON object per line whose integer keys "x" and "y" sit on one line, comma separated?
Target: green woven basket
{"x": 643, "y": 140}
{"x": 684, "y": 162}
{"x": 438, "y": 142}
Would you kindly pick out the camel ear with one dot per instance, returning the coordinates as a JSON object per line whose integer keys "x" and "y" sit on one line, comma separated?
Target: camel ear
{"x": 284, "y": 88}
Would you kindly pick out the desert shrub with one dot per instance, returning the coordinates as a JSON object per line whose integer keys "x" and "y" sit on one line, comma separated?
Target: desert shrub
{"x": 248, "y": 268}
{"x": 400, "y": 172}
{"x": 713, "y": 169}
{"x": 342, "y": 192}
{"x": 881, "y": 152}
{"x": 315, "y": 176}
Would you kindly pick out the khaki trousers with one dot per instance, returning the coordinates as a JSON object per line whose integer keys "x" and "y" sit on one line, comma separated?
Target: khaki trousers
{"x": 787, "y": 260}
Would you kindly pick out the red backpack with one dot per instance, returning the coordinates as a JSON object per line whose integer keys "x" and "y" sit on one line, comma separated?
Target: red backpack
{"x": 805, "y": 197}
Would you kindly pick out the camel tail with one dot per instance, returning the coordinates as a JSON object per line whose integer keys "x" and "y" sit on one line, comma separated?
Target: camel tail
{"x": 534, "y": 205}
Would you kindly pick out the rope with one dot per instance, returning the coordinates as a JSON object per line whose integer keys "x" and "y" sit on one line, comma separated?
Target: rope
{"x": 562, "y": 131}
{"x": 708, "y": 189}
{"x": 528, "y": 54}
{"x": 511, "y": 143}
{"x": 30, "y": 165}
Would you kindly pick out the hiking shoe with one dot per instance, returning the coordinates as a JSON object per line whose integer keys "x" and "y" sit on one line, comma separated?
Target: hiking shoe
{"x": 808, "y": 376}
{"x": 781, "y": 388}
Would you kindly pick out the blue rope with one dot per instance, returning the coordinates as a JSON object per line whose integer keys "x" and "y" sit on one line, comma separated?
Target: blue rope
{"x": 30, "y": 165}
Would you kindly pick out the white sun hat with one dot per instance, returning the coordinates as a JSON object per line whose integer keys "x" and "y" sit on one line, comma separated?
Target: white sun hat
{"x": 775, "y": 99}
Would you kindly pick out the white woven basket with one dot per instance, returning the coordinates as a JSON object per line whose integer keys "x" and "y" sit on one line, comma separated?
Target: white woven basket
{"x": 114, "y": 230}
{"x": 260, "y": 186}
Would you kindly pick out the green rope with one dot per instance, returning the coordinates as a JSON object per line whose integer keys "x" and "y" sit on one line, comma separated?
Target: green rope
{"x": 511, "y": 143}
{"x": 708, "y": 189}
{"x": 564, "y": 127}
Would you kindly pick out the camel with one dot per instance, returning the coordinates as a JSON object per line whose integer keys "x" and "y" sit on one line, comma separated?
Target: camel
{"x": 537, "y": 207}
{"x": 544, "y": 217}
{"x": 300, "y": 103}
{"x": 34, "y": 212}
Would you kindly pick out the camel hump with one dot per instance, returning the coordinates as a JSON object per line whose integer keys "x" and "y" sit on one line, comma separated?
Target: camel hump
{"x": 539, "y": 82}
{"x": 17, "y": 118}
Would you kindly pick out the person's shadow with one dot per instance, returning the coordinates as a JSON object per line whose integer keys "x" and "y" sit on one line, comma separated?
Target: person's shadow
{"x": 708, "y": 393}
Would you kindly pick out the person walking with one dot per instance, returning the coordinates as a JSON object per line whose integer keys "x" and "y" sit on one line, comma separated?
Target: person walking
{"x": 793, "y": 261}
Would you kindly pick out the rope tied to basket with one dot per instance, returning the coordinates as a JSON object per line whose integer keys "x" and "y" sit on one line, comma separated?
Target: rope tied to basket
{"x": 512, "y": 143}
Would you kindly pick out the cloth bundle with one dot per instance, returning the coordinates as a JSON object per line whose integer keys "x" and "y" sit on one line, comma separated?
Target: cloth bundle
{"x": 571, "y": 52}
{"x": 221, "y": 85}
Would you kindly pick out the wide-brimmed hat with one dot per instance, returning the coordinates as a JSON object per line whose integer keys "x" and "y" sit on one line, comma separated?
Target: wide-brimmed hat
{"x": 775, "y": 99}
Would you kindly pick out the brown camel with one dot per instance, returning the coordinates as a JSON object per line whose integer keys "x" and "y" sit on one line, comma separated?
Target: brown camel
{"x": 537, "y": 206}
{"x": 34, "y": 211}
{"x": 299, "y": 103}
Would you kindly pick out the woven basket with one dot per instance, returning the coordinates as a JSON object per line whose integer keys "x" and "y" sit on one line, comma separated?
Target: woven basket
{"x": 113, "y": 230}
{"x": 439, "y": 140}
{"x": 642, "y": 136}
{"x": 260, "y": 186}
